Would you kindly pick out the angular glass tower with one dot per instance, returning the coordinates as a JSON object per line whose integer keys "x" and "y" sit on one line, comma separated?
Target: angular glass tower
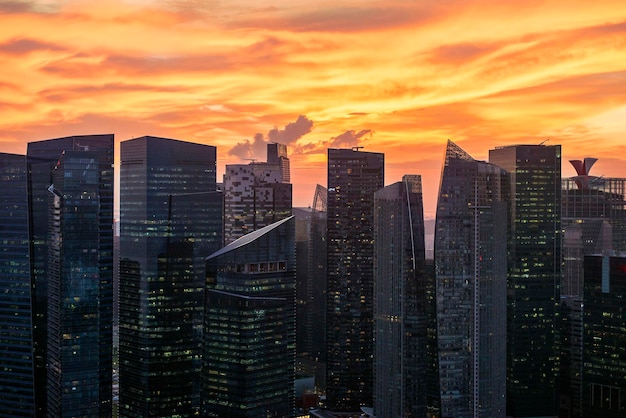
{"x": 604, "y": 350}
{"x": 17, "y": 389}
{"x": 249, "y": 328}
{"x": 316, "y": 285}
{"x": 534, "y": 277}
{"x": 470, "y": 272}
{"x": 71, "y": 195}
{"x": 400, "y": 315}
{"x": 353, "y": 177}
{"x": 170, "y": 220}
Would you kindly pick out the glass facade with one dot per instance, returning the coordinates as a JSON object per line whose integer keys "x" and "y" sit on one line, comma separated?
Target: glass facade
{"x": 594, "y": 220}
{"x": 254, "y": 197}
{"x": 71, "y": 192}
{"x": 353, "y": 177}
{"x": 470, "y": 271}
{"x": 316, "y": 285}
{"x": 170, "y": 220}
{"x": 249, "y": 333}
{"x": 400, "y": 321}
{"x": 534, "y": 277}
{"x": 17, "y": 390}
{"x": 604, "y": 338}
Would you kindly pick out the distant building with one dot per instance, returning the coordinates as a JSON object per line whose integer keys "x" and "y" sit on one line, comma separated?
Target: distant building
{"x": 400, "y": 310}
{"x": 534, "y": 277}
{"x": 604, "y": 347}
{"x": 470, "y": 271}
{"x": 256, "y": 194}
{"x": 593, "y": 218}
{"x": 17, "y": 385}
{"x": 353, "y": 177}
{"x": 277, "y": 155}
{"x": 249, "y": 327}
{"x": 316, "y": 285}
{"x": 594, "y": 222}
{"x": 170, "y": 220}
{"x": 71, "y": 195}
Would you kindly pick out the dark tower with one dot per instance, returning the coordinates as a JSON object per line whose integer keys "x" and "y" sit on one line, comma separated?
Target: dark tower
{"x": 534, "y": 277}
{"x": 170, "y": 221}
{"x": 470, "y": 272}
{"x": 71, "y": 197}
{"x": 249, "y": 327}
{"x": 17, "y": 387}
{"x": 353, "y": 177}
{"x": 400, "y": 313}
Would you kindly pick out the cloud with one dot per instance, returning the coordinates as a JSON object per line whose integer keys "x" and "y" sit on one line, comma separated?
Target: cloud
{"x": 292, "y": 132}
{"x": 15, "y": 7}
{"x": 25, "y": 46}
{"x": 344, "y": 18}
{"x": 349, "y": 138}
{"x": 257, "y": 148}
{"x": 250, "y": 150}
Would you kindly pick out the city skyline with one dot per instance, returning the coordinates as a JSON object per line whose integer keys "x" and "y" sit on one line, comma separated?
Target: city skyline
{"x": 482, "y": 73}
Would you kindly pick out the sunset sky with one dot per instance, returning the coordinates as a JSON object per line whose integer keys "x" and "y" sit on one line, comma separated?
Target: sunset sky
{"x": 395, "y": 76}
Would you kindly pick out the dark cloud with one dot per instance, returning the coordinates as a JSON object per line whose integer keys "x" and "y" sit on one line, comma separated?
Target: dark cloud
{"x": 15, "y": 7}
{"x": 349, "y": 138}
{"x": 247, "y": 150}
{"x": 257, "y": 148}
{"x": 456, "y": 54}
{"x": 24, "y": 46}
{"x": 65, "y": 93}
{"x": 346, "y": 19}
{"x": 292, "y": 132}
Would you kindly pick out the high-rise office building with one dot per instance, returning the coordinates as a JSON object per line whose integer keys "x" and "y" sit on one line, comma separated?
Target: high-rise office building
{"x": 604, "y": 352}
{"x": 534, "y": 277}
{"x": 255, "y": 194}
{"x": 71, "y": 197}
{"x": 277, "y": 155}
{"x": 170, "y": 220}
{"x": 594, "y": 221}
{"x": 249, "y": 334}
{"x": 470, "y": 271}
{"x": 17, "y": 389}
{"x": 400, "y": 311}
{"x": 316, "y": 285}
{"x": 353, "y": 177}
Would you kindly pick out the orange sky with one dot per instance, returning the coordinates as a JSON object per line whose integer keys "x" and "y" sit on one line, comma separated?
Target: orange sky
{"x": 394, "y": 76}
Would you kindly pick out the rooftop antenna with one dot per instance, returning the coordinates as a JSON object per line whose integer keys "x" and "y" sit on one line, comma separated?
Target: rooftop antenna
{"x": 251, "y": 159}
{"x": 544, "y": 141}
{"x": 357, "y": 148}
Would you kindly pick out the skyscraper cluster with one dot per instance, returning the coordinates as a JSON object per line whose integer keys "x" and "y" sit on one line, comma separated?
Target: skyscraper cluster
{"x": 229, "y": 298}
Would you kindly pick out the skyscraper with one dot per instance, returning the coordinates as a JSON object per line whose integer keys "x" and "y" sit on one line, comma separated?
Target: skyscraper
{"x": 249, "y": 335}
{"x": 256, "y": 194}
{"x": 470, "y": 270}
{"x": 17, "y": 388}
{"x": 400, "y": 321}
{"x": 277, "y": 155}
{"x": 604, "y": 339}
{"x": 71, "y": 195}
{"x": 594, "y": 222}
{"x": 316, "y": 286}
{"x": 170, "y": 220}
{"x": 534, "y": 277}
{"x": 353, "y": 177}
